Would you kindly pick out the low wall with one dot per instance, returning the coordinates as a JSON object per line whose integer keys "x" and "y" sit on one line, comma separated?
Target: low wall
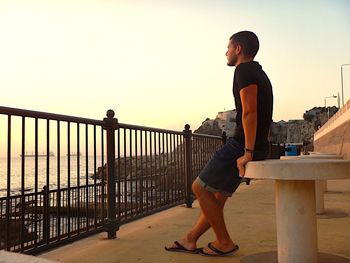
{"x": 334, "y": 136}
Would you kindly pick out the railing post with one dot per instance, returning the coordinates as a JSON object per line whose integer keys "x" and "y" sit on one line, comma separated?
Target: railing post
{"x": 188, "y": 164}
{"x": 110, "y": 125}
{"x": 224, "y": 138}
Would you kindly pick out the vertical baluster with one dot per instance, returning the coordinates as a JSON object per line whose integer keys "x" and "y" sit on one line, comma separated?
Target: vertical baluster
{"x": 78, "y": 180}
{"x": 167, "y": 169}
{"x": 162, "y": 161}
{"x": 130, "y": 172}
{"x": 95, "y": 189}
{"x": 156, "y": 176}
{"x": 160, "y": 170}
{"x": 8, "y": 195}
{"x": 177, "y": 162}
{"x": 103, "y": 177}
{"x": 119, "y": 195}
{"x": 206, "y": 158}
{"x": 146, "y": 171}
{"x": 151, "y": 169}
{"x": 68, "y": 180}
{"x": 124, "y": 179}
{"x": 47, "y": 190}
{"x": 180, "y": 146}
{"x": 172, "y": 167}
{"x": 202, "y": 150}
{"x": 87, "y": 176}
{"x": 136, "y": 177}
{"x": 58, "y": 181}
{"x": 36, "y": 178}
{"x": 23, "y": 205}
{"x": 141, "y": 173}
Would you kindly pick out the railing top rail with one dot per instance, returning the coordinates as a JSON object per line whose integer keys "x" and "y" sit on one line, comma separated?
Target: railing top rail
{"x": 48, "y": 116}
{"x": 207, "y": 136}
{"x": 60, "y": 117}
{"x": 144, "y": 128}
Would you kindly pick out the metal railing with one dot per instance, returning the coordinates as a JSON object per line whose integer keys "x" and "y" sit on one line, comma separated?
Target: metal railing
{"x": 49, "y": 199}
{"x": 63, "y": 194}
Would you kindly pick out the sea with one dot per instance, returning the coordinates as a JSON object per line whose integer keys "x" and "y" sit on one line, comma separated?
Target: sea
{"x": 83, "y": 175}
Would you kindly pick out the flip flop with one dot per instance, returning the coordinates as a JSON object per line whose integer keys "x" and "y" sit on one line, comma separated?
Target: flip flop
{"x": 218, "y": 252}
{"x": 180, "y": 248}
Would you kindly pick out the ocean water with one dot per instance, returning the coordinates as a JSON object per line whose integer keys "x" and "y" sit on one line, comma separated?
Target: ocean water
{"x": 83, "y": 174}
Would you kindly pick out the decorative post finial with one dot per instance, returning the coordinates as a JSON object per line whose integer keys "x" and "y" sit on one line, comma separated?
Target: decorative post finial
{"x": 110, "y": 113}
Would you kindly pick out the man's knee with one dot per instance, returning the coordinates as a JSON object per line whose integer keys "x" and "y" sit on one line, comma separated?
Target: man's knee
{"x": 197, "y": 188}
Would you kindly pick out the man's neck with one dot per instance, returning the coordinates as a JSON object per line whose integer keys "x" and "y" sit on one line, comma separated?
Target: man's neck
{"x": 243, "y": 60}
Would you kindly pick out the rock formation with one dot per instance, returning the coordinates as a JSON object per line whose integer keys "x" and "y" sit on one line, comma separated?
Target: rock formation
{"x": 164, "y": 166}
{"x": 292, "y": 131}
{"x": 224, "y": 122}
{"x": 319, "y": 115}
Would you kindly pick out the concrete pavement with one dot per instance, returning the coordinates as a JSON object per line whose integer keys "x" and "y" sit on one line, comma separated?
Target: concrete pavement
{"x": 250, "y": 217}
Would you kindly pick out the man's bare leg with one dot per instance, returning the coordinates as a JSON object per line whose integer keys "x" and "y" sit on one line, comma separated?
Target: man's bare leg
{"x": 189, "y": 241}
{"x": 213, "y": 213}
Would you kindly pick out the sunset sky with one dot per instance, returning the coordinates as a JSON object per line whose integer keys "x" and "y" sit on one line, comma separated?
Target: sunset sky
{"x": 162, "y": 63}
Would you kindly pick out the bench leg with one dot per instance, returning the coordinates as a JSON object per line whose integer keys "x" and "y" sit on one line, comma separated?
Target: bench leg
{"x": 296, "y": 221}
{"x": 320, "y": 188}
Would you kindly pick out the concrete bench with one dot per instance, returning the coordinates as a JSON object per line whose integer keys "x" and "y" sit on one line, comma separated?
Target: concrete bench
{"x": 325, "y": 155}
{"x": 295, "y": 205}
{"x": 320, "y": 185}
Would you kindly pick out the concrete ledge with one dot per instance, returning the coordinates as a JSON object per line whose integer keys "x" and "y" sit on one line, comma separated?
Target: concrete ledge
{"x": 322, "y": 154}
{"x": 312, "y": 156}
{"x": 342, "y": 116}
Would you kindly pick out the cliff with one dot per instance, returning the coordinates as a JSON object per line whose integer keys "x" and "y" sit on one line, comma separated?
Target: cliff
{"x": 292, "y": 131}
{"x": 224, "y": 122}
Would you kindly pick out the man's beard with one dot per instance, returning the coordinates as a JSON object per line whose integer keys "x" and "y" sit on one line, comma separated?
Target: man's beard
{"x": 233, "y": 61}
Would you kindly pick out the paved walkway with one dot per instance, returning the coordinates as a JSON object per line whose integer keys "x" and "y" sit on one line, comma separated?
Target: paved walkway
{"x": 10, "y": 257}
{"x": 250, "y": 216}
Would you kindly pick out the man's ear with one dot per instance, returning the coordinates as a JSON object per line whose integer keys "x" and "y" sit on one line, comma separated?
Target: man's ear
{"x": 238, "y": 49}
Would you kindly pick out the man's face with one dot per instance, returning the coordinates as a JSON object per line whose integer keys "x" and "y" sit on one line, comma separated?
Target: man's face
{"x": 231, "y": 54}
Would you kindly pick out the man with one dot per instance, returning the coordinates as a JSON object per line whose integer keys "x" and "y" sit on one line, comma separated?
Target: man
{"x": 222, "y": 175}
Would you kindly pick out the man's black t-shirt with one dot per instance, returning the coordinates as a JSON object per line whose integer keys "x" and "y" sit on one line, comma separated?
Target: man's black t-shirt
{"x": 247, "y": 74}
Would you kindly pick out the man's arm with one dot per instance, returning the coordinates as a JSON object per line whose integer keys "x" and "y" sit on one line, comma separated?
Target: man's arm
{"x": 249, "y": 97}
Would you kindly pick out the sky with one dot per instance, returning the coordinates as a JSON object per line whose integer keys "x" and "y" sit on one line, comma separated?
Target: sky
{"x": 162, "y": 63}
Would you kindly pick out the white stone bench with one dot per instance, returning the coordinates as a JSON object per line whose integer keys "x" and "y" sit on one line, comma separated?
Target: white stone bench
{"x": 326, "y": 155}
{"x": 295, "y": 204}
{"x": 320, "y": 185}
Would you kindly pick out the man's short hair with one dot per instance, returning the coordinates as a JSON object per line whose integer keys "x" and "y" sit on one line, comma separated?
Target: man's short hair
{"x": 248, "y": 41}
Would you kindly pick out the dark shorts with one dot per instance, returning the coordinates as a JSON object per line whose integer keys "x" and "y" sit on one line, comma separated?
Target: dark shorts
{"x": 221, "y": 174}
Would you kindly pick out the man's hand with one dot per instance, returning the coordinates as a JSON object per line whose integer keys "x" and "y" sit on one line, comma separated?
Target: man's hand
{"x": 242, "y": 161}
